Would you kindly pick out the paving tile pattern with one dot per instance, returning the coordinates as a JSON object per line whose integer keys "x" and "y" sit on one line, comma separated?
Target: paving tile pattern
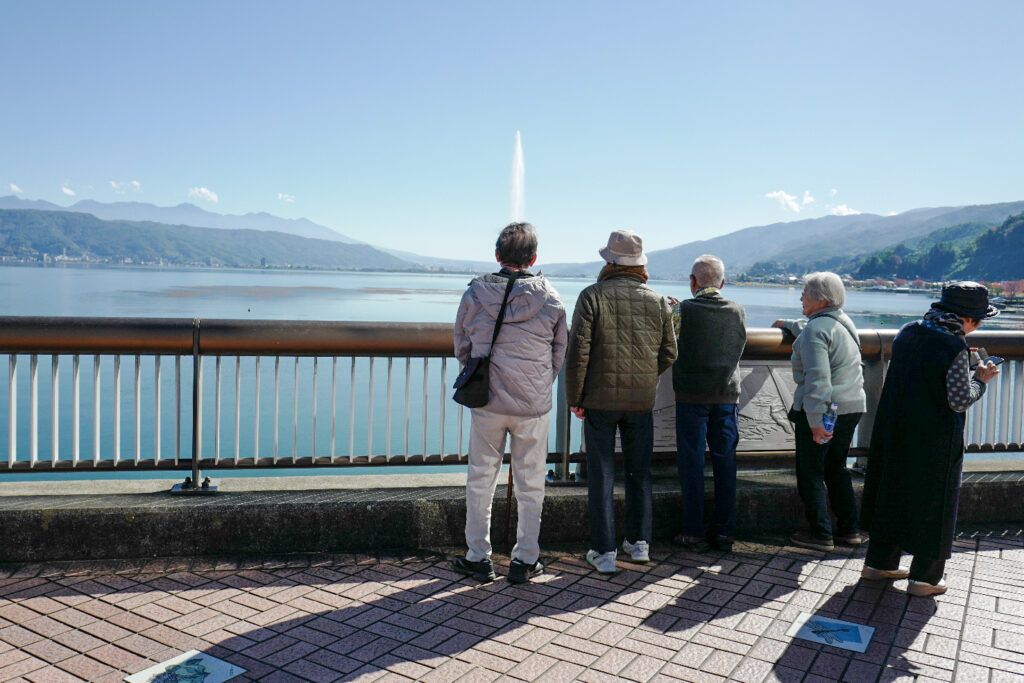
{"x": 684, "y": 616}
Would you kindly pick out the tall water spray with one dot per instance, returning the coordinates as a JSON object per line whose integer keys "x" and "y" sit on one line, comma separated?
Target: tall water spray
{"x": 518, "y": 186}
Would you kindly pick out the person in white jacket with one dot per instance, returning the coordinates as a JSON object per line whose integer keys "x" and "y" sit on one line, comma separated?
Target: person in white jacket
{"x": 525, "y": 361}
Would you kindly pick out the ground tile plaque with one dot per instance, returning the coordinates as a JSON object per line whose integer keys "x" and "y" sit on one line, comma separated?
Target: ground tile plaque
{"x": 834, "y": 632}
{"x": 190, "y": 667}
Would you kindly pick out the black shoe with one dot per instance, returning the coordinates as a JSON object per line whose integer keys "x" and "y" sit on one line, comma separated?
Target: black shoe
{"x": 805, "y": 540}
{"x": 855, "y": 539}
{"x": 694, "y": 544}
{"x": 520, "y": 572}
{"x": 482, "y": 571}
{"x": 723, "y": 543}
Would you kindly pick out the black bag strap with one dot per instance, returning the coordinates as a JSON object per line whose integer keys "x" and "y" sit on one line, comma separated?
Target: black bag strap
{"x": 501, "y": 313}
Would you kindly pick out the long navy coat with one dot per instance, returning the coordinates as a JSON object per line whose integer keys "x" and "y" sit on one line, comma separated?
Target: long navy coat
{"x": 912, "y": 486}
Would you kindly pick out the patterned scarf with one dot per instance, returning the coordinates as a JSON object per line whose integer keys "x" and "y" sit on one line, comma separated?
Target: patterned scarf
{"x": 704, "y": 291}
{"x": 613, "y": 270}
{"x": 944, "y": 321}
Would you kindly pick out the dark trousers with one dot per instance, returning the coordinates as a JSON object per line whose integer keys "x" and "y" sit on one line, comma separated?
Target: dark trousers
{"x": 714, "y": 426}
{"x": 637, "y": 431}
{"x": 882, "y": 555}
{"x": 822, "y": 476}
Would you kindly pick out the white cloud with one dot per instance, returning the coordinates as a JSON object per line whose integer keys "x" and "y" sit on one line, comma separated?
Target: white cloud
{"x": 833, "y": 192}
{"x": 286, "y": 198}
{"x": 125, "y": 187}
{"x": 15, "y": 189}
{"x": 843, "y": 210}
{"x": 808, "y": 199}
{"x": 68, "y": 191}
{"x": 786, "y": 201}
{"x": 203, "y": 193}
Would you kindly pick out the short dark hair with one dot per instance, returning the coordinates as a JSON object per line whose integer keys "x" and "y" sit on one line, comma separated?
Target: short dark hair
{"x": 517, "y": 244}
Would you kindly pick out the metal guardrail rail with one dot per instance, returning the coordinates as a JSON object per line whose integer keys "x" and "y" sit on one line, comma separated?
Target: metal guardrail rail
{"x": 395, "y": 414}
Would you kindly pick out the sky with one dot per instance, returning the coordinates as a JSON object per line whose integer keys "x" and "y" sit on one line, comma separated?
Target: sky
{"x": 394, "y": 122}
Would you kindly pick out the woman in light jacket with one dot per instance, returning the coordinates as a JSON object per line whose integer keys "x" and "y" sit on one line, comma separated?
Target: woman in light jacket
{"x": 827, "y": 369}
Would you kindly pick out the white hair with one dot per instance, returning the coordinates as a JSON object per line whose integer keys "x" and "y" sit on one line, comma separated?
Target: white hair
{"x": 708, "y": 271}
{"x": 825, "y": 286}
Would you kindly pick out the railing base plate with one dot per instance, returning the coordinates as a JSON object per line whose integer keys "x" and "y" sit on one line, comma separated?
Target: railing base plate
{"x": 181, "y": 490}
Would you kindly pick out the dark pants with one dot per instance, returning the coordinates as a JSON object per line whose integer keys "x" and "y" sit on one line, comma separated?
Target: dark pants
{"x": 822, "y": 476}
{"x": 715, "y": 426}
{"x": 637, "y": 431}
{"x": 883, "y": 555}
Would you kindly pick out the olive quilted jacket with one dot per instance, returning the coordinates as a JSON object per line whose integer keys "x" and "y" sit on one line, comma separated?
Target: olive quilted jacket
{"x": 621, "y": 340}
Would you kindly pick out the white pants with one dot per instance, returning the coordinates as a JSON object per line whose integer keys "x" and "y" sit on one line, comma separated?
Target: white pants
{"x": 529, "y": 449}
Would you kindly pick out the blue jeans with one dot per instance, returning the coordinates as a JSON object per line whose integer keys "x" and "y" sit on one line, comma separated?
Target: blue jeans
{"x": 822, "y": 476}
{"x": 637, "y": 431}
{"x": 714, "y": 425}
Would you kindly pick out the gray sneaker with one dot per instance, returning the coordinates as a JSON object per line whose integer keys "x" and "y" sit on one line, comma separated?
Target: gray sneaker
{"x": 604, "y": 563}
{"x": 639, "y": 552}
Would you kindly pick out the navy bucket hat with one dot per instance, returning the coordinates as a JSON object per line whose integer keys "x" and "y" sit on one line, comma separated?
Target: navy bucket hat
{"x": 967, "y": 299}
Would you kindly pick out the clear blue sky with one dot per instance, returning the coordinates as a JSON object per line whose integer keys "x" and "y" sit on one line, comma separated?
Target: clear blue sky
{"x": 394, "y": 122}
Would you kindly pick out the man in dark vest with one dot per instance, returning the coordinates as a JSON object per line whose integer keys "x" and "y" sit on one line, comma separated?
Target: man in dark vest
{"x": 711, "y": 334}
{"x": 912, "y": 486}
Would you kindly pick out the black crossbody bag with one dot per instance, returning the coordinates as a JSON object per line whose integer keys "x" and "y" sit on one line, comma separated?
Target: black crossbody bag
{"x": 474, "y": 382}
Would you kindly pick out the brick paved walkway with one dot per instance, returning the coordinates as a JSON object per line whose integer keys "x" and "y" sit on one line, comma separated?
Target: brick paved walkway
{"x": 684, "y": 616}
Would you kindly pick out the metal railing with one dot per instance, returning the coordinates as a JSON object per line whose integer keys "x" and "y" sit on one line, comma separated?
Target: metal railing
{"x": 354, "y": 393}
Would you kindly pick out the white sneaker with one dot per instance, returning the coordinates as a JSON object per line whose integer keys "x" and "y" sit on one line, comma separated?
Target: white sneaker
{"x": 638, "y": 552}
{"x": 604, "y": 563}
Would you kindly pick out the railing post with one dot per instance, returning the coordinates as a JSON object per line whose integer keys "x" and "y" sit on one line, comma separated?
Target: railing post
{"x": 874, "y": 378}
{"x": 193, "y": 484}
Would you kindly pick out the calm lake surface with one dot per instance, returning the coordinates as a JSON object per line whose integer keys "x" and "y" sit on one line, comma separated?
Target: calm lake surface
{"x": 298, "y": 295}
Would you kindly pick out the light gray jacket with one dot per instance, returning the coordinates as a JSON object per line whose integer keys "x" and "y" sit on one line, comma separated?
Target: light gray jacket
{"x": 826, "y": 365}
{"x": 530, "y": 348}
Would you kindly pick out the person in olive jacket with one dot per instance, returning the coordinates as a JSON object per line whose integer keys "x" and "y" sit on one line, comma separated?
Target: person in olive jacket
{"x": 621, "y": 340}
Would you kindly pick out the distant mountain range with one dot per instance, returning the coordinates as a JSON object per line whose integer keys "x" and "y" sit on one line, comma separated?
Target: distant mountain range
{"x": 34, "y": 235}
{"x": 185, "y": 214}
{"x": 928, "y": 240}
{"x": 809, "y": 244}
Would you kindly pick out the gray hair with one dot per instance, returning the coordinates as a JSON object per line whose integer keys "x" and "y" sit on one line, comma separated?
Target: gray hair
{"x": 708, "y": 271}
{"x": 517, "y": 244}
{"x": 825, "y": 286}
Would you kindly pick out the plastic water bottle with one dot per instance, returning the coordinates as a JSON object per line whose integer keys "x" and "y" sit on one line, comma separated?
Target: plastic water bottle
{"x": 828, "y": 420}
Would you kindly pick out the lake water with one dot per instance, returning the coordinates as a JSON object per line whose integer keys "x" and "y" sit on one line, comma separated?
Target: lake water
{"x": 300, "y": 295}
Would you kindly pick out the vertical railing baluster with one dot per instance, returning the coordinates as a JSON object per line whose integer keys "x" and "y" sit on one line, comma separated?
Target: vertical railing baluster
{"x": 76, "y": 410}
{"x": 12, "y": 442}
{"x": 117, "y": 409}
{"x": 1005, "y": 384}
{"x": 55, "y": 426}
{"x": 975, "y": 419}
{"x": 256, "y": 423}
{"x": 426, "y": 386}
{"x": 158, "y": 403}
{"x": 387, "y": 438}
{"x": 138, "y": 408}
{"x": 316, "y": 385}
{"x": 216, "y": 413}
{"x": 96, "y": 410}
{"x": 295, "y": 412}
{"x": 238, "y": 406}
{"x": 369, "y": 418}
{"x": 444, "y": 402}
{"x": 277, "y": 402}
{"x": 991, "y": 412}
{"x": 460, "y": 431}
{"x": 197, "y": 419}
{"x": 33, "y": 408}
{"x": 352, "y": 412}
{"x": 408, "y": 398}
{"x": 334, "y": 404}
{"x": 1018, "y": 412}
{"x": 177, "y": 409}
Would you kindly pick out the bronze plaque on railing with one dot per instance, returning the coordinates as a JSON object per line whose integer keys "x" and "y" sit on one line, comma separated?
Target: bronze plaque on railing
{"x": 767, "y": 394}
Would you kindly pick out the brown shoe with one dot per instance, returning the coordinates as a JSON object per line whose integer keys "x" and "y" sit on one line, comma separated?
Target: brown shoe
{"x": 924, "y": 589}
{"x": 872, "y": 574}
